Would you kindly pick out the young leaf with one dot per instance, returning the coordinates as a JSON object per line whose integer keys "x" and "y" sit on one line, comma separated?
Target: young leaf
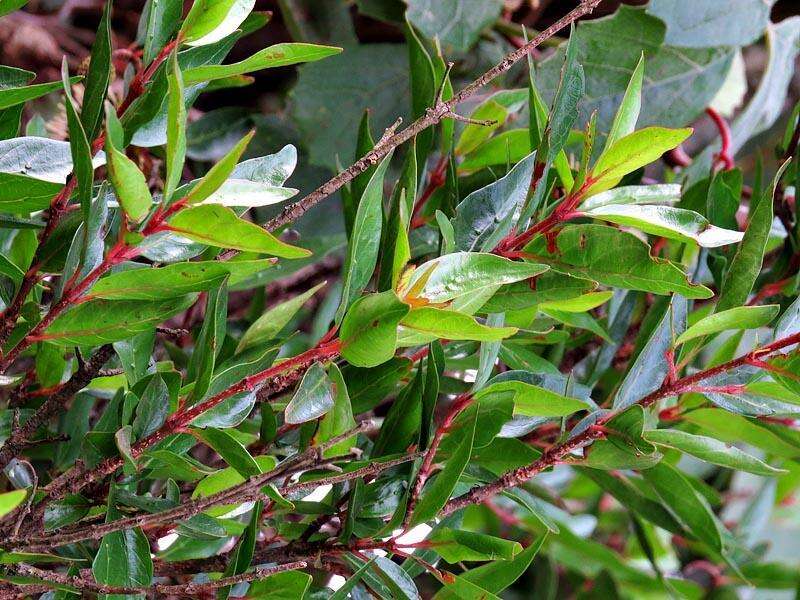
{"x": 454, "y": 276}
{"x": 216, "y": 176}
{"x": 279, "y": 55}
{"x": 219, "y": 226}
{"x": 631, "y": 152}
{"x": 427, "y": 323}
{"x": 628, "y": 112}
{"x": 268, "y": 325}
{"x": 10, "y": 500}
{"x": 176, "y": 128}
{"x": 129, "y": 182}
{"x": 369, "y": 329}
{"x": 742, "y": 317}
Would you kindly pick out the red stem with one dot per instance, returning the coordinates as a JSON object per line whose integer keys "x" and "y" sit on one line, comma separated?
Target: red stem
{"x": 724, "y": 155}
{"x": 179, "y": 421}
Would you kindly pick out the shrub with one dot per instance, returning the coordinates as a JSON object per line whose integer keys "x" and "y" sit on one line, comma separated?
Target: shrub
{"x": 512, "y": 353}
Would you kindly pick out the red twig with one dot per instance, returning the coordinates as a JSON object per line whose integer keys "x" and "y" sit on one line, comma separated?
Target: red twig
{"x": 724, "y": 157}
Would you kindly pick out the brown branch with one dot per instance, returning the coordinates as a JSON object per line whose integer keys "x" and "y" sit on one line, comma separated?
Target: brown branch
{"x": 247, "y": 491}
{"x": 434, "y": 115}
{"x": 76, "y": 479}
{"x": 21, "y": 437}
{"x": 185, "y": 589}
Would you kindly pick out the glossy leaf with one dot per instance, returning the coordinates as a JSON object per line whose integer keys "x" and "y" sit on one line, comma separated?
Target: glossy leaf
{"x": 369, "y": 329}
{"x": 666, "y": 221}
{"x": 743, "y": 317}
{"x": 613, "y": 257}
{"x": 711, "y": 450}
{"x": 219, "y": 226}
{"x": 313, "y": 398}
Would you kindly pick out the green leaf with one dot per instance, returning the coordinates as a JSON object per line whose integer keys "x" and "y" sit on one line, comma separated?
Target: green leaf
{"x": 129, "y": 182}
{"x": 256, "y": 182}
{"x": 279, "y": 55}
{"x": 216, "y": 176}
{"x": 663, "y": 193}
{"x": 495, "y": 576}
{"x": 464, "y": 274}
{"x": 340, "y": 419}
{"x": 313, "y": 398}
{"x": 632, "y": 152}
{"x": 176, "y": 128}
{"x": 365, "y": 241}
{"x": 9, "y": 6}
{"x": 219, "y": 226}
{"x": 666, "y": 221}
{"x": 12, "y": 96}
{"x": 152, "y": 409}
{"x": 628, "y": 112}
{"x": 691, "y": 509}
{"x": 425, "y": 324}
{"x": 455, "y": 545}
{"x": 160, "y": 19}
{"x": 565, "y": 103}
{"x": 491, "y": 115}
{"x": 289, "y": 585}
{"x": 79, "y": 146}
{"x": 123, "y": 558}
{"x": 742, "y": 317}
{"x": 11, "y": 500}
{"x": 209, "y": 341}
{"x": 486, "y": 215}
{"x": 98, "y": 76}
{"x": 369, "y": 329}
{"x": 270, "y": 324}
{"x": 531, "y": 400}
{"x": 209, "y": 21}
{"x": 614, "y": 258}
{"x": 746, "y": 264}
{"x": 175, "y": 280}
{"x": 711, "y": 450}
{"x": 437, "y": 493}
{"x": 455, "y": 23}
{"x": 230, "y": 450}
{"x": 101, "y": 321}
